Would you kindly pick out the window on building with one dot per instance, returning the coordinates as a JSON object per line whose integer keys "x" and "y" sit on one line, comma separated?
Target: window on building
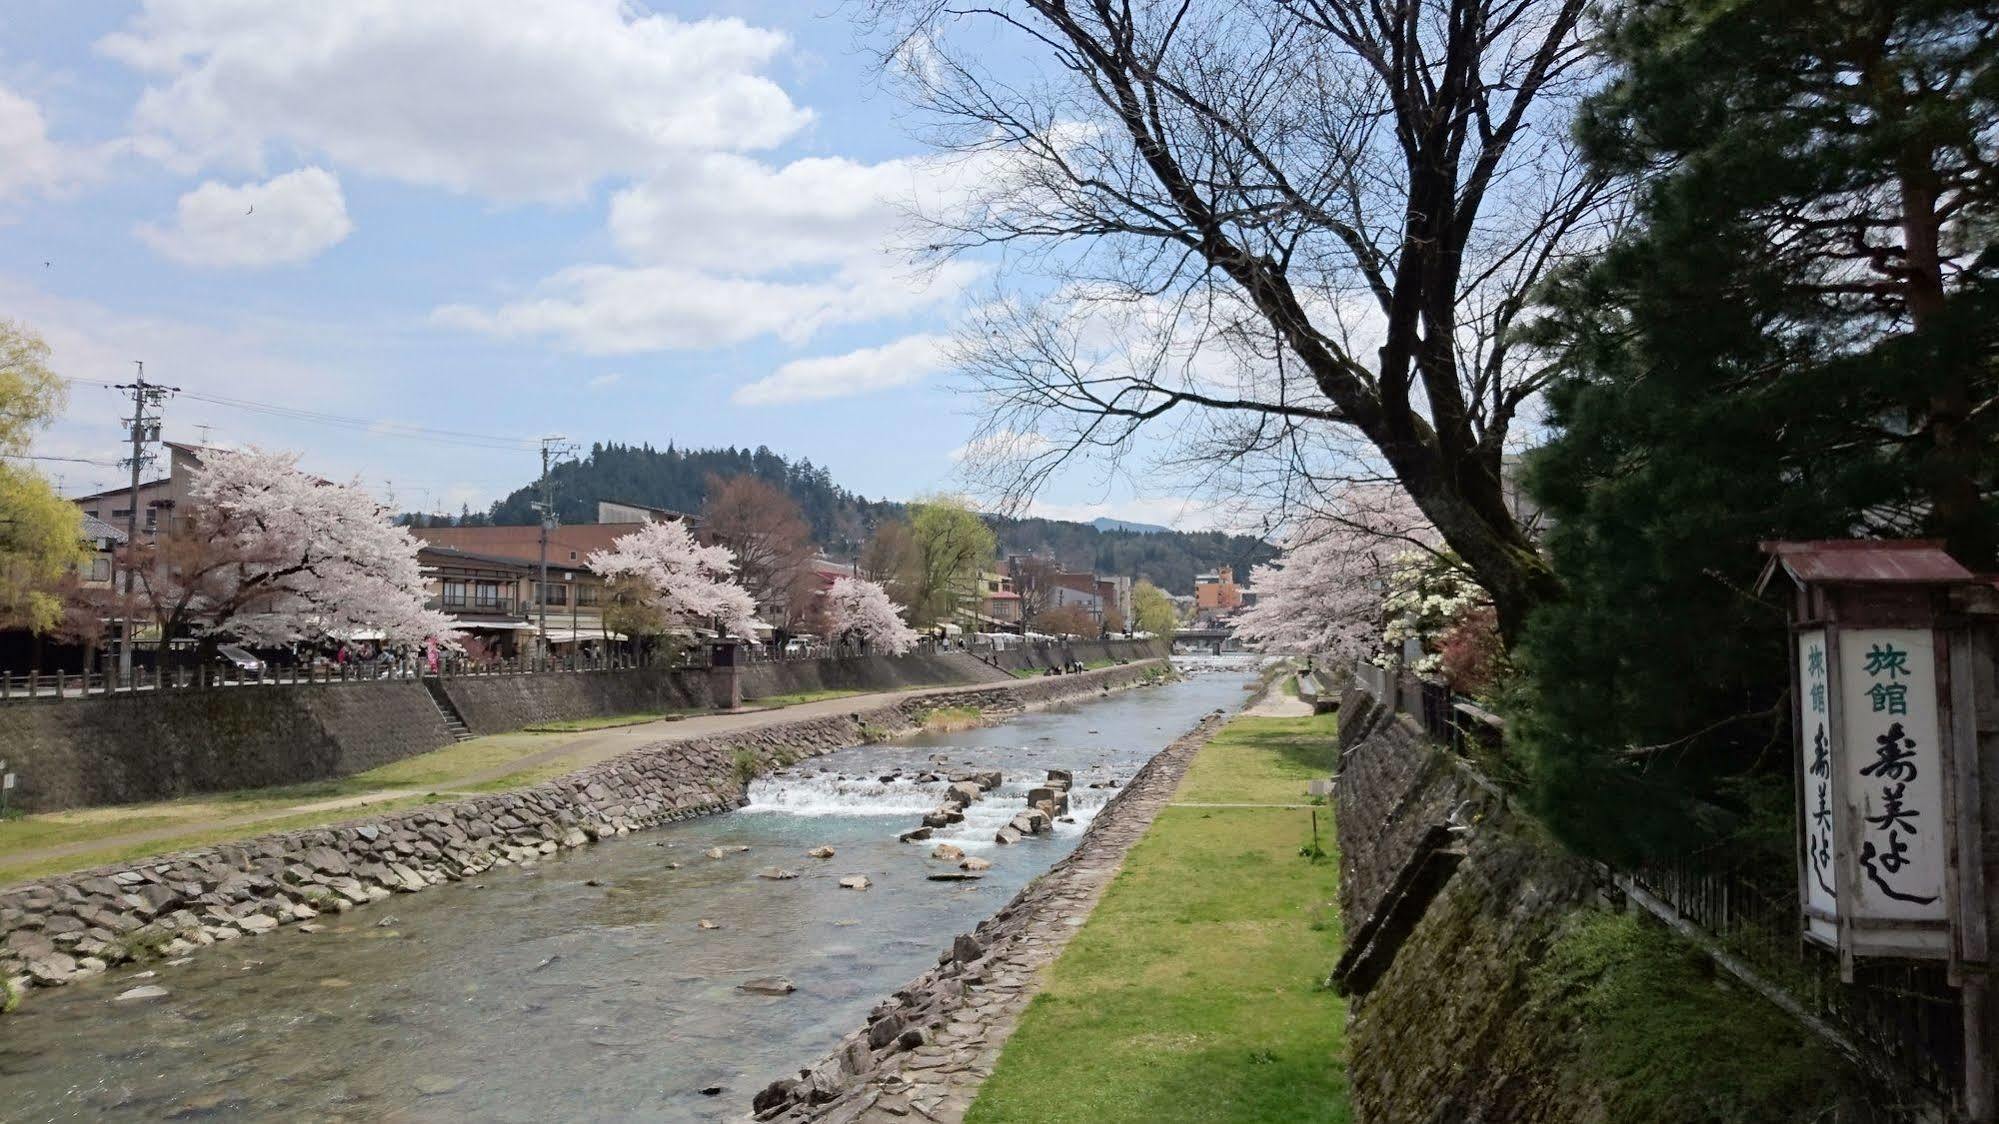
{"x": 587, "y": 594}
{"x": 553, "y": 594}
{"x": 486, "y": 595}
{"x": 100, "y": 569}
{"x": 454, "y": 595}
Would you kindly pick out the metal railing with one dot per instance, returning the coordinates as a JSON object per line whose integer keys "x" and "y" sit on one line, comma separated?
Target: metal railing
{"x": 145, "y": 678}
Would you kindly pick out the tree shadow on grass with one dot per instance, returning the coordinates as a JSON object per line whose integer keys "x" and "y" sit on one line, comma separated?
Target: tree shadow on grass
{"x": 1308, "y": 743}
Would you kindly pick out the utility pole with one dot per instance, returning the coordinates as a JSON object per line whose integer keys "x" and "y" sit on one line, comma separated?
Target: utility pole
{"x": 551, "y": 447}
{"x": 144, "y": 431}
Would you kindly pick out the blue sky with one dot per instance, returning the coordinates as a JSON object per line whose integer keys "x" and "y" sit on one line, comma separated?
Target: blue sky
{"x": 617, "y": 222}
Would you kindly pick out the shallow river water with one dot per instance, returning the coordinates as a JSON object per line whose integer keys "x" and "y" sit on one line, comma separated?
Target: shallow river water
{"x": 533, "y": 994}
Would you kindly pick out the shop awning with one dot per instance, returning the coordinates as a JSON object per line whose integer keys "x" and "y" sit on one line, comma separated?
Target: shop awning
{"x": 574, "y": 635}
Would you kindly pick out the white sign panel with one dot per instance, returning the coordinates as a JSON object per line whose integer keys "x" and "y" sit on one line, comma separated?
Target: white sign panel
{"x": 1891, "y": 774}
{"x": 1819, "y": 809}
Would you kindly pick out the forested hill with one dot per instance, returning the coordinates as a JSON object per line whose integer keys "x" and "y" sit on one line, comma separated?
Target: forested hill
{"x": 841, "y": 520}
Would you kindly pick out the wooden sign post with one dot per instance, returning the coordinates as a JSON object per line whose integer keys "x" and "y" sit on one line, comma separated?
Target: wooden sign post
{"x": 1893, "y": 779}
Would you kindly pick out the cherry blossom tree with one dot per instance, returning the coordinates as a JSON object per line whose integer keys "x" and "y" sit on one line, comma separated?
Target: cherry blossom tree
{"x": 270, "y": 555}
{"x": 686, "y": 584}
{"x": 1325, "y": 593}
{"x": 863, "y": 608}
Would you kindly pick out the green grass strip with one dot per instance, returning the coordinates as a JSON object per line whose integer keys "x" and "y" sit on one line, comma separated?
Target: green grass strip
{"x": 1193, "y": 993}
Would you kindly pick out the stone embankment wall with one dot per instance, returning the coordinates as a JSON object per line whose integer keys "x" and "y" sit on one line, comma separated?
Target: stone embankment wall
{"x": 1444, "y": 1029}
{"x": 55, "y": 930}
{"x": 78, "y": 753}
{"x": 156, "y": 745}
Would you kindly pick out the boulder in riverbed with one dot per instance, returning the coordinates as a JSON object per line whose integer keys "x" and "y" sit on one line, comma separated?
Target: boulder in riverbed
{"x": 820, "y": 853}
{"x": 976, "y": 864}
{"x": 855, "y": 882}
{"x": 948, "y": 852}
{"x": 767, "y": 985}
{"x": 916, "y": 836}
{"x": 777, "y": 874}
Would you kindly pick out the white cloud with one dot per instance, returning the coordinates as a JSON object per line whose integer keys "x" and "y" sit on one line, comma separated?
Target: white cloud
{"x": 1003, "y": 445}
{"x": 905, "y": 361}
{"x": 249, "y": 360}
{"x": 30, "y": 162}
{"x": 1179, "y": 513}
{"x": 510, "y": 99}
{"x": 729, "y": 212}
{"x": 606, "y": 382}
{"x": 615, "y": 310}
{"x": 287, "y": 219}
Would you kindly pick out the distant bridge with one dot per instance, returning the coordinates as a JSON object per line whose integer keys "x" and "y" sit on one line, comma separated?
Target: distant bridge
{"x": 1216, "y": 640}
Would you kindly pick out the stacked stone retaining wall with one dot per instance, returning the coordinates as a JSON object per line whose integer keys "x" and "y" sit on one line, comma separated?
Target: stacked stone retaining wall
{"x": 55, "y": 930}
{"x": 1448, "y": 1031}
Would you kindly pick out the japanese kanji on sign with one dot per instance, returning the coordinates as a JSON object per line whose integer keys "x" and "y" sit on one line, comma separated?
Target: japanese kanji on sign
{"x": 1874, "y": 763}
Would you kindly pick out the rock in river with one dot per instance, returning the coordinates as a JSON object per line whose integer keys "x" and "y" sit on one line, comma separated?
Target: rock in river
{"x": 947, "y": 852}
{"x": 767, "y": 985}
{"x": 820, "y": 853}
{"x": 976, "y": 864}
{"x": 855, "y": 882}
{"x": 777, "y": 874}
{"x": 149, "y": 991}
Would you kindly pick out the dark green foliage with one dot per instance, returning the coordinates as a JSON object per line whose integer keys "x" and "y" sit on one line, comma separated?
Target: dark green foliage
{"x": 841, "y": 520}
{"x": 1755, "y": 358}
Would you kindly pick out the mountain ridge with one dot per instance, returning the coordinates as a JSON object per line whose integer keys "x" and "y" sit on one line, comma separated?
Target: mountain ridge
{"x": 841, "y": 520}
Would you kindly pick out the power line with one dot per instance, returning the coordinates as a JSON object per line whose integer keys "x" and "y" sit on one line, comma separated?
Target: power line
{"x": 72, "y": 460}
{"x": 400, "y": 430}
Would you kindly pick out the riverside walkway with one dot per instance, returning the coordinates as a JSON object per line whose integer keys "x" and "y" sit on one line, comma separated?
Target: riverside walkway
{"x": 498, "y": 761}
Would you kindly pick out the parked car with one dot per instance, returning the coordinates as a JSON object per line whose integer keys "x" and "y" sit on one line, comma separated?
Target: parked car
{"x": 240, "y": 659}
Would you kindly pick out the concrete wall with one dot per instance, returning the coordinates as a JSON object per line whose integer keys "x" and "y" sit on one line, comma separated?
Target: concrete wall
{"x": 496, "y": 704}
{"x": 61, "y": 928}
{"x": 1060, "y": 653}
{"x": 159, "y": 745}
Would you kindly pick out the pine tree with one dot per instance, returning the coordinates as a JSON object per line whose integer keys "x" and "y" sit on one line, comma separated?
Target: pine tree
{"x": 1793, "y": 340}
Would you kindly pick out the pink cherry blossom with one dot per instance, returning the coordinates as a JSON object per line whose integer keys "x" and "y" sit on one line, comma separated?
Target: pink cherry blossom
{"x": 863, "y": 607}
{"x": 689, "y": 583}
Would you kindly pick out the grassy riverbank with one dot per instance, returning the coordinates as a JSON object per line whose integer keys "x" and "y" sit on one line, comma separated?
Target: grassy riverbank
{"x": 35, "y": 846}
{"x": 1193, "y": 993}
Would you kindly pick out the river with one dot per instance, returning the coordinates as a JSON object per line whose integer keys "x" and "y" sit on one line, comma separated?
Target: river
{"x": 585, "y": 987}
